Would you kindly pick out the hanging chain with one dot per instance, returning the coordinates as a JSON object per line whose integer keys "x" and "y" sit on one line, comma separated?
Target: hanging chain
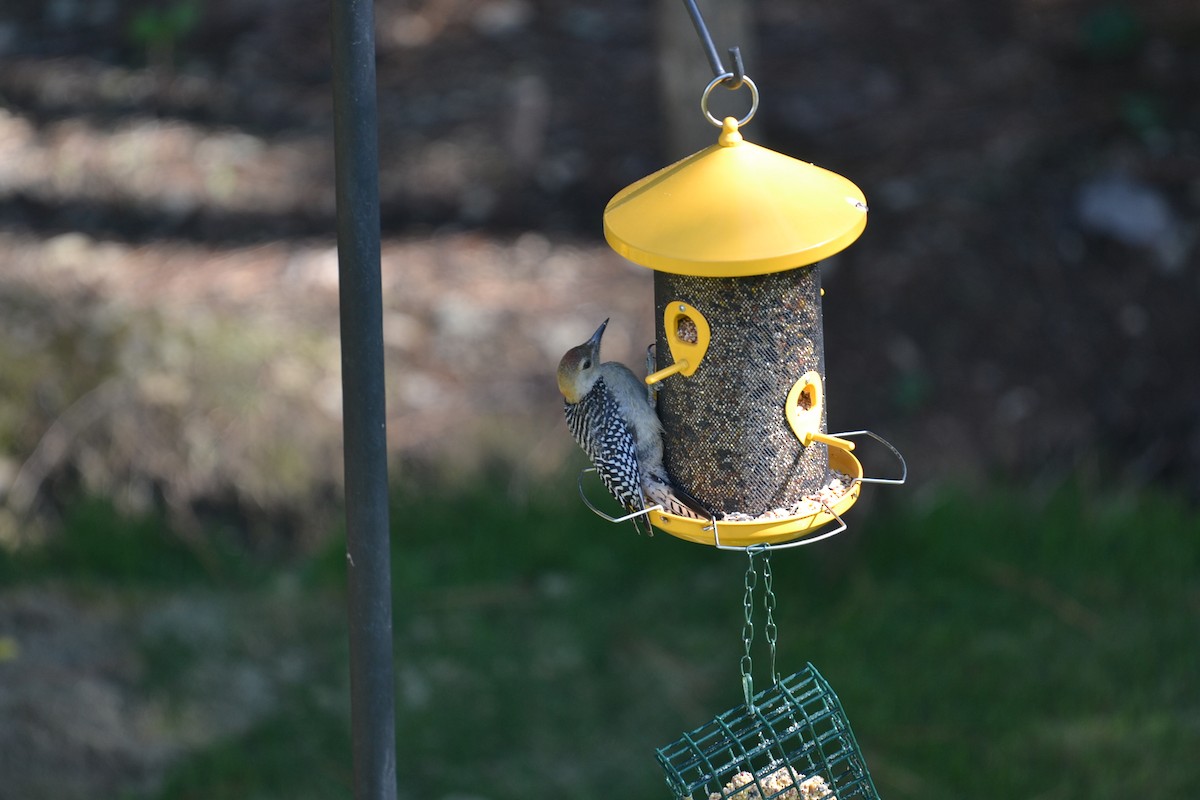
{"x": 747, "y": 665}
{"x": 769, "y": 628}
{"x": 771, "y": 631}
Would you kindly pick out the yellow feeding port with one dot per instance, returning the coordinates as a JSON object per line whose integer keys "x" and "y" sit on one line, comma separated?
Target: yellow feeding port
{"x": 688, "y": 334}
{"x": 735, "y": 209}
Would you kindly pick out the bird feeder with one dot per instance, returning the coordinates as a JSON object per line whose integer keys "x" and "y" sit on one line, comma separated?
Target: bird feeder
{"x": 735, "y": 234}
{"x": 791, "y": 742}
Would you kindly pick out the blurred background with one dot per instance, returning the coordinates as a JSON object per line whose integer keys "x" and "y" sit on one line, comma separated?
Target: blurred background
{"x": 1020, "y": 319}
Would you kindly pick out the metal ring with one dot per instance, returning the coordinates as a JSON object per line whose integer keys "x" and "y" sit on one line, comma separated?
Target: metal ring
{"x": 583, "y": 495}
{"x": 767, "y": 546}
{"x": 903, "y": 464}
{"x": 716, "y": 82}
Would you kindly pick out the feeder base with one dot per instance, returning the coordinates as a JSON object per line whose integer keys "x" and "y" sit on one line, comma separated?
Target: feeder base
{"x": 766, "y": 530}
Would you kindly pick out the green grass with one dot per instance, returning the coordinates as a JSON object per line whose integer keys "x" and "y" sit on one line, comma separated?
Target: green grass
{"x": 1017, "y": 648}
{"x": 300, "y": 752}
{"x": 99, "y": 546}
{"x": 992, "y": 645}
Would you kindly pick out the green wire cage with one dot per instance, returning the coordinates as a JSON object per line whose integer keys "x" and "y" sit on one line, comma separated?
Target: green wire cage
{"x": 793, "y": 742}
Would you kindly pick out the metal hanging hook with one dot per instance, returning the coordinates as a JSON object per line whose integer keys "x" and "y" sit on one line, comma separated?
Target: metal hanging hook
{"x": 739, "y": 69}
{"x": 730, "y": 79}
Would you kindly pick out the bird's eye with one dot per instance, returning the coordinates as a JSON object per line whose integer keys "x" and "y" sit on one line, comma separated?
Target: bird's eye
{"x": 587, "y": 364}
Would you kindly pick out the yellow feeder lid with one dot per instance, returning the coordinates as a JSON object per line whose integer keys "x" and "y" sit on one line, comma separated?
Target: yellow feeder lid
{"x": 735, "y": 209}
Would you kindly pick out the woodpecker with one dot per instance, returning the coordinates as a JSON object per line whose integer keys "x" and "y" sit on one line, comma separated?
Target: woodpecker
{"x": 611, "y": 416}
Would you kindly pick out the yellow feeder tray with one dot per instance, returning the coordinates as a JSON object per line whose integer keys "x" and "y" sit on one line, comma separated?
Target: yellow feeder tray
{"x": 769, "y": 531}
{"x": 735, "y": 209}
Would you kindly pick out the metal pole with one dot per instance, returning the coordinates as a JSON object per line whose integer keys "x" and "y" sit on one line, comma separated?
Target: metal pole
{"x": 710, "y": 49}
{"x": 735, "y": 78}
{"x": 356, "y": 145}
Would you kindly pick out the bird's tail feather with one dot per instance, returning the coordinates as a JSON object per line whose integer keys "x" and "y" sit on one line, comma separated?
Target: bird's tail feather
{"x": 675, "y": 500}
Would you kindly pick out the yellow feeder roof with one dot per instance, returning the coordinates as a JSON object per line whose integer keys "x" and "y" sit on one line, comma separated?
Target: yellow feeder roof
{"x": 735, "y": 209}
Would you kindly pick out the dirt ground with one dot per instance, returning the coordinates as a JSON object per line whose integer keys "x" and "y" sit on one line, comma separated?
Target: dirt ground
{"x": 1023, "y": 302}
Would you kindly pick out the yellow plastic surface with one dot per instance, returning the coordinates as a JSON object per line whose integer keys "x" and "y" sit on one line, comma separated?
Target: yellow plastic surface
{"x": 735, "y": 209}
{"x": 772, "y": 531}
{"x": 804, "y": 409}
{"x": 685, "y": 354}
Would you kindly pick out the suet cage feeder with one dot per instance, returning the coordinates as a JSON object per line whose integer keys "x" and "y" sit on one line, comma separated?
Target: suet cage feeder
{"x": 792, "y": 742}
{"x": 734, "y": 234}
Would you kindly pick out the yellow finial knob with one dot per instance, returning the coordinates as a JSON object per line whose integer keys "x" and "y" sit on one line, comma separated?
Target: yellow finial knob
{"x": 729, "y": 133}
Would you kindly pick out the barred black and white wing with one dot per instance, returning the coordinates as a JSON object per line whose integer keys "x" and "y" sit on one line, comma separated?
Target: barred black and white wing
{"x": 598, "y": 426}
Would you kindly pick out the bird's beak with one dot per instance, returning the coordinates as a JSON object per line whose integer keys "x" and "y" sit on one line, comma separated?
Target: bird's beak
{"x": 594, "y": 342}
